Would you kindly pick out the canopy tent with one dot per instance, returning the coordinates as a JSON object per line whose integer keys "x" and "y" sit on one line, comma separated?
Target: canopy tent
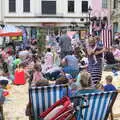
{"x": 10, "y": 31}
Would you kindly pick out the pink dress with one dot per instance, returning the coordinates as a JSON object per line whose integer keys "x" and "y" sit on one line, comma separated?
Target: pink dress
{"x": 49, "y": 60}
{"x": 37, "y": 76}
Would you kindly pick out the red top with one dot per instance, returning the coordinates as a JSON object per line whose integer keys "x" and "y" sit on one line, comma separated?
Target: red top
{"x": 19, "y": 77}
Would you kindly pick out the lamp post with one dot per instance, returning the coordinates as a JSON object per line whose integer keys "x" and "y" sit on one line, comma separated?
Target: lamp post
{"x": 89, "y": 13}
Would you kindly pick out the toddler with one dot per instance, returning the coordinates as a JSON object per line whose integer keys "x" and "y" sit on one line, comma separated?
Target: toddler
{"x": 109, "y": 86}
{"x": 37, "y": 75}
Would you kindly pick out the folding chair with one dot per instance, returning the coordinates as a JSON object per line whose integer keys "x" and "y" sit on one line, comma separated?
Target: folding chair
{"x": 99, "y": 105}
{"x": 42, "y": 98}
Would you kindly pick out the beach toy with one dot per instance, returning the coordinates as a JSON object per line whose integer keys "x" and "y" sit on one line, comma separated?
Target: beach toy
{"x": 5, "y": 93}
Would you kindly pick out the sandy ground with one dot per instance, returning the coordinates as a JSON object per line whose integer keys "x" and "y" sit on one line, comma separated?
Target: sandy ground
{"x": 14, "y": 107}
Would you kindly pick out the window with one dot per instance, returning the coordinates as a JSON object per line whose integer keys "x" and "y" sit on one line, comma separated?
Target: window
{"x": 115, "y": 4}
{"x": 115, "y": 27}
{"x": 48, "y": 7}
{"x": 84, "y": 6}
{"x": 104, "y": 3}
{"x": 70, "y": 6}
{"x": 26, "y": 5}
{"x": 12, "y": 5}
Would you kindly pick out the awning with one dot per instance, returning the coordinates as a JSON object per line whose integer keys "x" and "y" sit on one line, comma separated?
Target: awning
{"x": 9, "y": 30}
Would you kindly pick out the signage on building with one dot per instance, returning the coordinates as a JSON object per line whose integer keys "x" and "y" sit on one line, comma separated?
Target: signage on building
{"x": 49, "y": 24}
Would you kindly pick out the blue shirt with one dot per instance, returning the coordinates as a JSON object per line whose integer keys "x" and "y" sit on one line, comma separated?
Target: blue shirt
{"x": 109, "y": 87}
{"x": 72, "y": 61}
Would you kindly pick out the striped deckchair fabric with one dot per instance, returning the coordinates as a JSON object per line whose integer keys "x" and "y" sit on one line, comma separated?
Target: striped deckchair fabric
{"x": 43, "y": 97}
{"x": 99, "y": 105}
{"x": 106, "y": 37}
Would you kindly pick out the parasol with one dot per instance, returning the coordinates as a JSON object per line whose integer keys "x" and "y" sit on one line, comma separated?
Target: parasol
{"x": 10, "y": 31}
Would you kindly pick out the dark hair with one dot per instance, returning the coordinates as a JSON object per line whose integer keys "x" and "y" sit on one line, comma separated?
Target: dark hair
{"x": 37, "y": 67}
{"x": 27, "y": 48}
{"x": 61, "y": 80}
{"x": 17, "y": 55}
{"x": 42, "y": 83}
{"x": 48, "y": 50}
{"x": 20, "y": 65}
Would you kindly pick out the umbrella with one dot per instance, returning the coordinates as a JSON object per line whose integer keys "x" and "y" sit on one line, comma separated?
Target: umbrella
{"x": 9, "y": 30}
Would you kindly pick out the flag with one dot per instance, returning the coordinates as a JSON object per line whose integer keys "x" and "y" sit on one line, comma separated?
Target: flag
{"x": 106, "y": 37}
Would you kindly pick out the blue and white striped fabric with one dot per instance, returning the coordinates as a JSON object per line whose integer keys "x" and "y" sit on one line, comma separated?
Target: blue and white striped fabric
{"x": 43, "y": 97}
{"x": 100, "y": 105}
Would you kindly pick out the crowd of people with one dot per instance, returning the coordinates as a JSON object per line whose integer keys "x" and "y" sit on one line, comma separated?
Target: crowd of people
{"x": 18, "y": 65}
{"x": 80, "y": 68}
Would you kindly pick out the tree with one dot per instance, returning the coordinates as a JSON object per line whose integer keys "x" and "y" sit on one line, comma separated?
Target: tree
{"x": 41, "y": 42}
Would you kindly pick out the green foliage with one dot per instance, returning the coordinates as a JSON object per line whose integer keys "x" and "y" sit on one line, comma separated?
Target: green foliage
{"x": 41, "y": 41}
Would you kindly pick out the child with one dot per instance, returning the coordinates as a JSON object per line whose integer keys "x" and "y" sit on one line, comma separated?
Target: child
{"x": 37, "y": 75}
{"x": 109, "y": 86}
{"x": 90, "y": 47}
{"x": 19, "y": 75}
{"x": 100, "y": 87}
{"x": 49, "y": 59}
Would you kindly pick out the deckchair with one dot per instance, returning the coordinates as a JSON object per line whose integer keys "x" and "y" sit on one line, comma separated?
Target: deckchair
{"x": 42, "y": 98}
{"x": 99, "y": 105}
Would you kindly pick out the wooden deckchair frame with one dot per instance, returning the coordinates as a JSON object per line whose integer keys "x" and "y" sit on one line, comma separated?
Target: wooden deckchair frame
{"x": 112, "y": 115}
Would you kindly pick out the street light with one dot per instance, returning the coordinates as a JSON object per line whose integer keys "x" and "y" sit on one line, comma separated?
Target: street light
{"x": 89, "y": 12}
{"x": 89, "y": 23}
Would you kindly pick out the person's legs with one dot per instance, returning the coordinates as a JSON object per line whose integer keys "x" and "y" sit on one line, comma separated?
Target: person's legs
{"x": 71, "y": 71}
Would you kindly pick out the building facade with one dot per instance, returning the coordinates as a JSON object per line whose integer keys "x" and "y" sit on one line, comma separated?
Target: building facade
{"x": 115, "y": 15}
{"x": 100, "y": 8}
{"x": 43, "y": 12}
{"x": 32, "y": 14}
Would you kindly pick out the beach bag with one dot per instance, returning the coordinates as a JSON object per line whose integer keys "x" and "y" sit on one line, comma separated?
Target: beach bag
{"x": 61, "y": 110}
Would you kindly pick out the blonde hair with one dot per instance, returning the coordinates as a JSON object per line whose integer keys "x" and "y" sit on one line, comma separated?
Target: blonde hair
{"x": 85, "y": 79}
{"x": 109, "y": 78}
{"x": 91, "y": 40}
{"x": 99, "y": 86}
